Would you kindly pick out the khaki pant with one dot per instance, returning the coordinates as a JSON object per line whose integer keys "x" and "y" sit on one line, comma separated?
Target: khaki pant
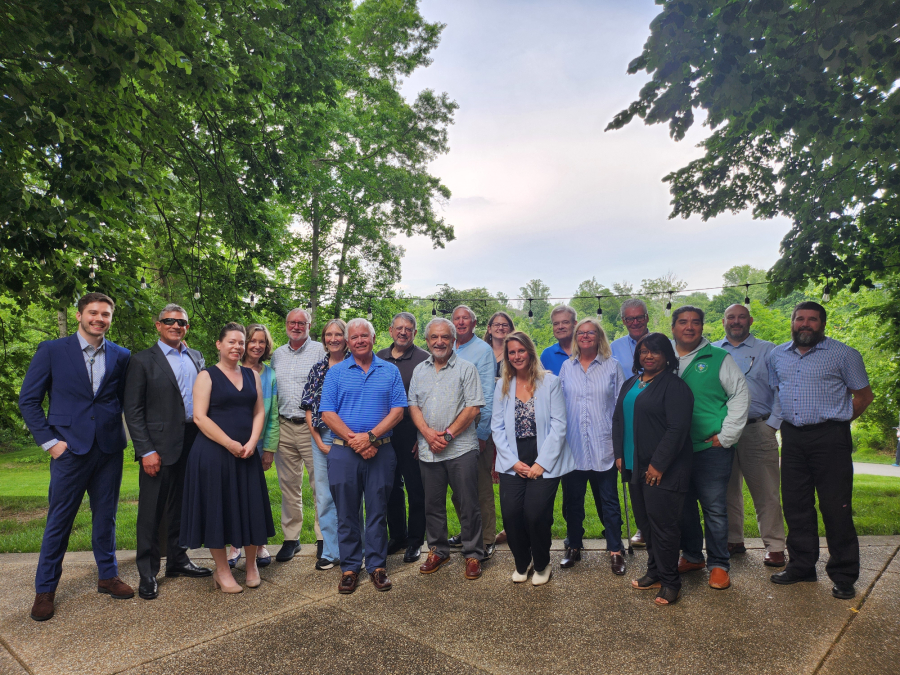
{"x": 756, "y": 461}
{"x": 485, "y": 495}
{"x": 294, "y": 450}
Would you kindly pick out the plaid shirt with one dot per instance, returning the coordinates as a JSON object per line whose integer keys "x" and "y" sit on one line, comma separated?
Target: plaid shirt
{"x": 292, "y": 368}
{"x": 813, "y": 387}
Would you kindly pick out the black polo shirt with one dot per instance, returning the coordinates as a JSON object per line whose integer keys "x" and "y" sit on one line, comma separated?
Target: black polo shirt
{"x": 406, "y": 363}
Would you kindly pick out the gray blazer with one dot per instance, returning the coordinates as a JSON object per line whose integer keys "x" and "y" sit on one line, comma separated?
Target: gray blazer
{"x": 154, "y": 410}
{"x": 550, "y": 415}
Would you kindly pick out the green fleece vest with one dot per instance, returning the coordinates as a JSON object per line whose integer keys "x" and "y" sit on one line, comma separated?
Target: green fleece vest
{"x": 710, "y": 399}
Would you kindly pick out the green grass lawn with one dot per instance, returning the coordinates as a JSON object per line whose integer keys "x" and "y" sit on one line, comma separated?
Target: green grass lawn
{"x": 25, "y": 475}
{"x": 874, "y": 456}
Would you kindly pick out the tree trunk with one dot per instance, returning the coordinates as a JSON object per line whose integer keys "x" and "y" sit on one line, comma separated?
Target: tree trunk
{"x": 62, "y": 322}
{"x": 345, "y": 248}
{"x": 314, "y": 264}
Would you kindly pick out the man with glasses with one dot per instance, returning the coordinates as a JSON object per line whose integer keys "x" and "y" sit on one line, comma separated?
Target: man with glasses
{"x": 563, "y": 318}
{"x": 404, "y": 534}
{"x": 159, "y": 412}
{"x": 292, "y": 363}
{"x": 635, "y": 317}
{"x": 756, "y": 453}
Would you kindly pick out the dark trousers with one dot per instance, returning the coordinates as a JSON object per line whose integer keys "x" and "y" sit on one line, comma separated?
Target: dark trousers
{"x": 658, "y": 515}
{"x": 486, "y": 497}
{"x": 100, "y": 475}
{"x": 406, "y": 474}
{"x": 461, "y": 475}
{"x": 710, "y": 475}
{"x": 606, "y": 498}
{"x": 814, "y": 461}
{"x": 350, "y": 477}
{"x": 160, "y": 501}
{"x": 527, "y": 509}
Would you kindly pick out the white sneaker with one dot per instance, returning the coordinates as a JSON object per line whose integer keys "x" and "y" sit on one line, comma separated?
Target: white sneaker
{"x": 519, "y": 578}
{"x": 542, "y": 577}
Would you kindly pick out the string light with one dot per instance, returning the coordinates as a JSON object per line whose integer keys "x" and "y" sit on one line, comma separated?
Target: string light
{"x": 599, "y": 308}
{"x": 309, "y": 304}
{"x": 530, "y": 313}
{"x": 92, "y": 275}
{"x": 669, "y": 304}
{"x": 826, "y": 295}
{"x": 369, "y": 312}
{"x": 252, "y": 300}
{"x": 143, "y": 280}
{"x": 197, "y": 293}
{"x": 433, "y": 308}
{"x": 747, "y": 296}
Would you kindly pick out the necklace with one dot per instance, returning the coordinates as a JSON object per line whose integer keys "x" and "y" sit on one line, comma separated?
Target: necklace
{"x": 642, "y": 384}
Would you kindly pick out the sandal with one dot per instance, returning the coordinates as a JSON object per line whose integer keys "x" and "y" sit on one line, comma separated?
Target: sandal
{"x": 669, "y": 596}
{"x": 645, "y": 583}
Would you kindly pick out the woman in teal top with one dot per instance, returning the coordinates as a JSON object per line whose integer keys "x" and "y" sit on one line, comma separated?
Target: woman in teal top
{"x": 259, "y": 349}
{"x": 652, "y": 444}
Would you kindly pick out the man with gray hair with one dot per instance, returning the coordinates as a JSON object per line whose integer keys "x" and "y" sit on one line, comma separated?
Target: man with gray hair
{"x": 159, "y": 411}
{"x": 563, "y": 318}
{"x": 292, "y": 363}
{"x": 444, "y": 399}
{"x": 404, "y": 354}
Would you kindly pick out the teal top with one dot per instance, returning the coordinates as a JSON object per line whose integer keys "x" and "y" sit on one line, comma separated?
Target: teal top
{"x": 268, "y": 440}
{"x": 628, "y": 411}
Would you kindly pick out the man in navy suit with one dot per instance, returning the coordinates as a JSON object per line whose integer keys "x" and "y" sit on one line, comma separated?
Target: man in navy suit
{"x": 84, "y": 376}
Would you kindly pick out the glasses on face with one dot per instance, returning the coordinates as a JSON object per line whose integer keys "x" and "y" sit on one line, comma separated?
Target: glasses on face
{"x": 586, "y": 333}
{"x": 560, "y": 324}
{"x": 647, "y": 352}
{"x": 501, "y": 326}
{"x": 403, "y": 330}
{"x": 630, "y": 320}
{"x": 182, "y": 323}
{"x": 298, "y": 324}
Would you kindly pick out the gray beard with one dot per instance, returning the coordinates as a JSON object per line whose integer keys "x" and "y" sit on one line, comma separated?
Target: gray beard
{"x": 805, "y": 339}
{"x": 735, "y": 336}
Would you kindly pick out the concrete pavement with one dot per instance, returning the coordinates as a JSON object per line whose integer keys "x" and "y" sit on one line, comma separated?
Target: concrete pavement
{"x": 584, "y": 621}
{"x": 868, "y": 469}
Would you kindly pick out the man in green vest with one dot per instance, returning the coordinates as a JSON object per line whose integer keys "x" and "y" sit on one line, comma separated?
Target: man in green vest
{"x": 721, "y": 402}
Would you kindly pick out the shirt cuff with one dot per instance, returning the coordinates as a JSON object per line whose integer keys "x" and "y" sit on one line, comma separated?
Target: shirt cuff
{"x": 49, "y": 444}
{"x": 147, "y": 454}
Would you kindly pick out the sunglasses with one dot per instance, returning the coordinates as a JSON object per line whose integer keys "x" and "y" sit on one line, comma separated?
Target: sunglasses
{"x": 182, "y": 323}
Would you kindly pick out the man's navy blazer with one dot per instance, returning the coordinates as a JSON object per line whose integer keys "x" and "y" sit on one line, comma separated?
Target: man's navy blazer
{"x": 75, "y": 415}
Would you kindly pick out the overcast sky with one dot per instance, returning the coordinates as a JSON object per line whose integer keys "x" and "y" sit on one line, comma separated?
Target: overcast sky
{"x": 539, "y": 189}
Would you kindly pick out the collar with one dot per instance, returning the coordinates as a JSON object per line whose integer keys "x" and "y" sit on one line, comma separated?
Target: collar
{"x": 559, "y": 350}
{"x": 166, "y": 349}
{"x": 474, "y": 340}
{"x": 792, "y": 347}
{"x": 703, "y": 343}
{"x": 450, "y": 362}
{"x": 301, "y": 347}
{"x": 749, "y": 341}
{"x": 376, "y": 362}
{"x": 84, "y": 344}
{"x": 405, "y": 355}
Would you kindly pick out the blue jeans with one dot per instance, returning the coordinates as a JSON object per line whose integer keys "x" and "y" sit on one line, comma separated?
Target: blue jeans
{"x": 710, "y": 473}
{"x": 324, "y": 501}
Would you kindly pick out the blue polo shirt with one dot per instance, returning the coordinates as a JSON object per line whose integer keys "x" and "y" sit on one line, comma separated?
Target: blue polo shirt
{"x": 362, "y": 399}
{"x": 553, "y": 358}
{"x": 623, "y": 352}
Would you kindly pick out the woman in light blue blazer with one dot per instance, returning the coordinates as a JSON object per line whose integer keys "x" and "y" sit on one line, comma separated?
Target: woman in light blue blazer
{"x": 529, "y": 429}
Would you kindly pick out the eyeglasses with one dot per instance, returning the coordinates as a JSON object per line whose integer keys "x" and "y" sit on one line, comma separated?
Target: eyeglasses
{"x": 171, "y": 322}
{"x": 501, "y": 326}
{"x": 634, "y": 319}
{"x": 298, "y": 324}
{"x": 586, "y": 333}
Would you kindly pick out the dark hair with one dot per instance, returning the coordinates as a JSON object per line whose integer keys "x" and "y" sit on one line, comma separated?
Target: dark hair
{"x": 87, "y": 299}
{"x": 658, "y": 344}
{"x": 688, "y": 308}
{"x": 809, "y": 304}
{"x": 230, "y": 326}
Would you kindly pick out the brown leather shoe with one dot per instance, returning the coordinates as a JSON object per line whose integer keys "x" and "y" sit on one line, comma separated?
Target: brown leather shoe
{"x": 348, "y": 583}
{"x": 638, "y": 540}
{"x": 42, "y": 609}
{"x": 473, "y": 569}
{"x": 116, "y": 588}
{"x": 433, "y": 562}
{"x": 617, "y": 564}
{"x": 718, "y": 579}
{"x": 501, "y": 537}
{"x": 735, "y": 549}
{"x": 774, "y": 559}
{"x": 380, "y": 580}
{"x": 685, "y": 566}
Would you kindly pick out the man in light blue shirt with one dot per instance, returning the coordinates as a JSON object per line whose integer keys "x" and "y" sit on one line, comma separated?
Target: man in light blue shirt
{"x": 635, "y": 317}
{"x": 756, "y": 453}
{"x": 563, "y": 318}
{"x": 476, "y": 351}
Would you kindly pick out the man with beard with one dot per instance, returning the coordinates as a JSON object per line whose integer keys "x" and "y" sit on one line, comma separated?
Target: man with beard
{"x": 822, "y": 386}
{"x": 756, "y": 453}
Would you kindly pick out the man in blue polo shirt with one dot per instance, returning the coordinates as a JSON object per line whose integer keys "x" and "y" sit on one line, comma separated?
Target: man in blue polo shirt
{"x": 362, "y": 400}
{"x": 563, "y": 318}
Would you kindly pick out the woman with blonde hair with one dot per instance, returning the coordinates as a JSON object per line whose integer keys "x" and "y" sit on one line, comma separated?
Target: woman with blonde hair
{"x": 591, "y": 380}
{"x": 529, "y": 429}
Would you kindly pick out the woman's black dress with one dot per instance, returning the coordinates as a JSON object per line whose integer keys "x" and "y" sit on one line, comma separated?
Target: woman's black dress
{"x": 225, "y": 498}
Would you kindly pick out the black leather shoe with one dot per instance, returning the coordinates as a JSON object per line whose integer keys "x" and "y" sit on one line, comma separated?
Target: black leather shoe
{"x": 148, "y": 588}
{"x": 395, "y": 546}
{"x": 489, "y": 551}
{"x": 413, "y": 553}
{"x": 843, "y": 590}
{"x": 189, "y": 569}
{"x": 572, "y": 556}
{"x": 455, "y": 541}
{"x": 789, "y": 576}
{"x": 289, "y": 549}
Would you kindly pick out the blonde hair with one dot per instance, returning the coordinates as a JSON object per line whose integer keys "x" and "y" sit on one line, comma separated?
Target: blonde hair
{"x": 535, "y": 371}
{"x": 252, "y": 330}
{"x": 342, "y": 325}
{"x": 603, "y": 347}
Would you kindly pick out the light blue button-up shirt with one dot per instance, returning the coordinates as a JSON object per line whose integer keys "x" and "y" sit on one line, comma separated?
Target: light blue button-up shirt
{"x": 185, "y": 374}
{"x": 623, "y": 352}
{"x": 752, "y": 357}
{"x": 480, "y": 353}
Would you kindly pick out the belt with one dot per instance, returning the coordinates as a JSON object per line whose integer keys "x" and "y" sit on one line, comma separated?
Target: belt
{"x": 295, "y": 420}
{"x": 819, "y": 425}
{"x": 758, "y": 419}
{"x": 380, "y": 441}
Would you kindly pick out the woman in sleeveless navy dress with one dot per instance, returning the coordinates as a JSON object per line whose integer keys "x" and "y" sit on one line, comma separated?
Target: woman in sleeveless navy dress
{"x": 225, "y": 495}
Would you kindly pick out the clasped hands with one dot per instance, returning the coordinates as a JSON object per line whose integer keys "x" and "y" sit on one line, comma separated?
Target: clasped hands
{"x": 435, "y": 440}
{"x": 534, "y": 471}
{"x": 241, "y": 451}
{"x": 361, "y": 446}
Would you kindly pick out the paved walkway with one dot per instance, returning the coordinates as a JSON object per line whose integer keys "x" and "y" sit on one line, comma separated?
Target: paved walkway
{"x": 876, "y": 469}
{"x": 584, "y": 621}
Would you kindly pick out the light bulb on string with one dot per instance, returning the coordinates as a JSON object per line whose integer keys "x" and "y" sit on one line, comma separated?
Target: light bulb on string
{"x": 599, "y": 308}
{"x": 826, "y": 295}
{"x": 252, "y": 300}
{"x": 669, "y": 305}
{"x": 92, "y": 275}
{"x": 747, "y": 296}
{"x": 196, "y": 293}
{"x": 369, "y": 312}
{"x": 309, "y": 304}
{"x": 530, "y": 313}
{"x": 143, "y": 282}
{"x": 433, "y": 308}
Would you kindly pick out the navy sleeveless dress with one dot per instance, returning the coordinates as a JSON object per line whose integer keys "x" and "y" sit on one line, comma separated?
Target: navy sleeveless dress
{"x": 225, "y": 498}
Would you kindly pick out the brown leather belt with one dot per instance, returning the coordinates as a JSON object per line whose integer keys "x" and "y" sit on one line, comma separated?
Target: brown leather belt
{"x": 380, "y": 441}
{"x": 758, "y": 419}
{"x": 295, "y": 420}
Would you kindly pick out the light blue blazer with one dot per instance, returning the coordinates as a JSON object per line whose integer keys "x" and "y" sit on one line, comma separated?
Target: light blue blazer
{"x": 550, "y": 415}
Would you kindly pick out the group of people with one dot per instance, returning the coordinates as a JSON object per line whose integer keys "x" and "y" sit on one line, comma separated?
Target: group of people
{"x": 681, "y": 421}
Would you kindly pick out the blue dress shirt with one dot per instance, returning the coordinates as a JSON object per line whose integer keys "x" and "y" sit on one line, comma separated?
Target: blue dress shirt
{"x": 752, "y": 357}
{"x": 480, "y": 353}
{"x": 623, "y": 352}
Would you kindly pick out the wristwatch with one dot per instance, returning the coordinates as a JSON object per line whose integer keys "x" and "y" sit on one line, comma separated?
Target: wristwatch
{"x": 372, "y": 437}
{"x": 448, "y": 436}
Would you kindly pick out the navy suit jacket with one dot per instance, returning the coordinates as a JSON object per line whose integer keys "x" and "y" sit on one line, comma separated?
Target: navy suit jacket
{"x": 75, "y": 415}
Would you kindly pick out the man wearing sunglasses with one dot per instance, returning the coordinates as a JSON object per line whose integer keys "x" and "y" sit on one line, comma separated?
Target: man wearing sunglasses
{"x": 159, "y": 412}
{"x": 756, "y": 453}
